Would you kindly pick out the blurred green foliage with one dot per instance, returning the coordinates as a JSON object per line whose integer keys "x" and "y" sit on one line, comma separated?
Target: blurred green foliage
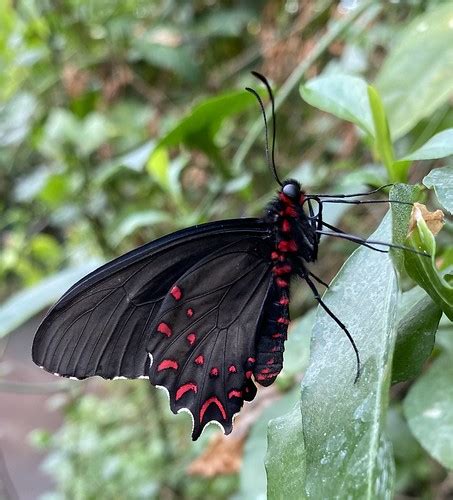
{"x": 119, "y": 121}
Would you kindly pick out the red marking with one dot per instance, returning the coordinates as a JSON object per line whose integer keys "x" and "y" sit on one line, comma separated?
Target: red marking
{"x": 232, "y": 369}
{"x": 265, "y": 370}
{"x": 189, "y": 312}
{"x": 184, "y": 388}
{"x": 290, "y": 211}
{"x": 214, "y": 372}
{"x": 248, "y": 374}
{"x": 283, "y": 321}
{"x": 275, "y": 349}
{"x": 282, "y": 197}
{"x": 265, "y": 376}
{"x": 208, "y": 402}
{"x": 281, "y": 283}
{"x": 270, "y": 361}
{"x": 167, "y": 363}
{"x": 199, "y": 360}
{"x": 301, "y": 198}
{"x": 176, "y": 292}
{"x": 191, "y": 338}
{"x": 277, "y": 335}
{"x": 251, "y": 360}
{"x": 287, "y": 246}
{"x": 284, "y": 301}
{"x": 165, "y": 329}
{"x": 234, "y": 394}
{"x": 286, "y": 226}
{"x": 275, "y": 255}
{"x": 279, "y": 270}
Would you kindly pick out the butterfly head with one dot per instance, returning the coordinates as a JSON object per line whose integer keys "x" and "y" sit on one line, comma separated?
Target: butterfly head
{"x": 291, "y": 189}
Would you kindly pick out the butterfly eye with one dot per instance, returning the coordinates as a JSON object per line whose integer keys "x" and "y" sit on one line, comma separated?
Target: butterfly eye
{"x": 291, "y": 190}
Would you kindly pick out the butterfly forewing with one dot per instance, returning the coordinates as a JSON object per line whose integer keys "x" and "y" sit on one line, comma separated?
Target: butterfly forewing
{"x": 203, "y": 340}
{"x": 101, "y": 326}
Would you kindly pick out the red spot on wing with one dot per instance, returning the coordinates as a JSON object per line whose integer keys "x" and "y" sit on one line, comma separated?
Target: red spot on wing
{"x": 275, "y": 255}
{"x": 189, "y": 312}
{"x": 165, "y": 329}
{"x": 248, "y": 374}
{"x": 277, "y": 335}
{"x": 283, "y": 321}
{"x": 167, "y": 363}
{"x": 284, "y": 301}
{"x": 270, "y": 361}
{"x": 199, "y": 360}
{"x": 176, "y": 292}
{"x": 251, "y": 360}
{"x": 191, "y": 338}
{"x": 234, "y": 394}
{"x": 265, "y": 370}
{"x": 232, "y": 369}
{"x": 184, "y": 388}
{"x": 214, "y": 372}
{"x": 212, "y": 400}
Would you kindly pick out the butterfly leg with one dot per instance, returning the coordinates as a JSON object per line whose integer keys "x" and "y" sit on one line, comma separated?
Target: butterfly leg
{"x": 306, "y": 277}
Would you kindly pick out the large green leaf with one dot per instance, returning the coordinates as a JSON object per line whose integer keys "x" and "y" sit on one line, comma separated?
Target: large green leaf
{"x": 429, "y": 410}
{"x": 285, "y": 457}
{"x": 441, "y": 179}
{"x": 253, "y": 473}
{"x": 416, "y": 77}
{"x": 30, "y": 301}
{"x": 347, "y": 452}
{"x": 343, "y": 96}
{"x": 439, "y": 146}
{"x": 417, "y": 326}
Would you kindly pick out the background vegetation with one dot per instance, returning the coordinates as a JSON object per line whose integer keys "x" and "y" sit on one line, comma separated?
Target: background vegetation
{"x": 121, "y": 121}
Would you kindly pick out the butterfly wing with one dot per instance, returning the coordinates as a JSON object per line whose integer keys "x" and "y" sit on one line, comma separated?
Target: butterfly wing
{"x": 101, "y": 325}
{"x": 203, "y": 340}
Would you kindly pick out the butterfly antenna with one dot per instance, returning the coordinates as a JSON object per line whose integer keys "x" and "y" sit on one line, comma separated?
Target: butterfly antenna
{"x": 270, "y": 157}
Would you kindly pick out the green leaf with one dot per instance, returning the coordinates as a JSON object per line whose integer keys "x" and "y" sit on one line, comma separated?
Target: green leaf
{"x": 253, "y": 473}
{"x": 441, "y": 179}
{"x": 418, "y": 320}
{"x": 429, "y": 410}
{"x": 198, "y": 129}
{"x": 158, "y": 166}
{"x": 285, "y": 456}
{"x": 343, "y": 96}
{"x": 383, "y": 143}
{"x": 423, "y": 269}
{"x": 206, "y": 118}
{"x": 347, "y": 452}
{"x": 416, "y": 77}
{"x": 25, "y": 304}
{"x": 439, "y": 146}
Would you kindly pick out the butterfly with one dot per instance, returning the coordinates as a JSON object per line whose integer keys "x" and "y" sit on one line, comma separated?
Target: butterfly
{"x": 202, "y": 312}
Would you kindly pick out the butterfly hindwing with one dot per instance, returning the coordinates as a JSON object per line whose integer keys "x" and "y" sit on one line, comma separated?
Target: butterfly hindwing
{"x": 101, "y": 326}
{"x": 203, "y": 340}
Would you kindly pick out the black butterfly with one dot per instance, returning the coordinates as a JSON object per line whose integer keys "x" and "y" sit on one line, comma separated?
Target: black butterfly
{"x": 202, "y": 312}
